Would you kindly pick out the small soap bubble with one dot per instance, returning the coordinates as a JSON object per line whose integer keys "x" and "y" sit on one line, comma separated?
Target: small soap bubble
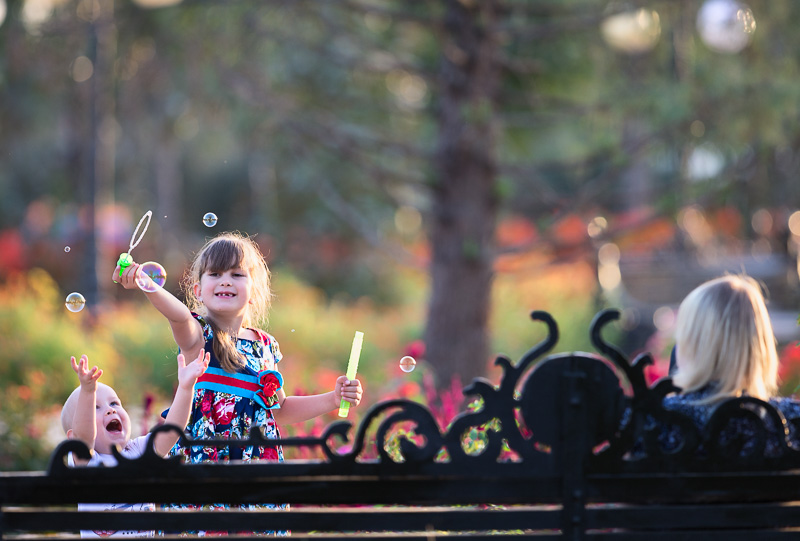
{"x": 151, "y": 276}
{"x": 66, "y": 249}
{"x": 292, "y": 330}
{"x": 75, "y": 302}
{"x": 408, "y": 364}
{"x": 210, "y": 219}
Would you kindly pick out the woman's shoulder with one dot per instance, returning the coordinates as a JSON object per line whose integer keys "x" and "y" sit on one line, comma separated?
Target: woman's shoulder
{"x": 691, "y": 404}
{"x": 689, "y": 400}
{"x": 790, "y": 407}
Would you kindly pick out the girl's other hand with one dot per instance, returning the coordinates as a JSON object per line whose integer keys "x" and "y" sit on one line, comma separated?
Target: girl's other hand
{"x": 347, "y": 389}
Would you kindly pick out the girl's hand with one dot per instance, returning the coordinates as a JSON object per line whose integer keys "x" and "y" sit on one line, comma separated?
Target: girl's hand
{"x": 128, "y": 278}
{"x": 347, "y": 389}
{"x": 188, "y": 373}
{"x": 88, "y": 377}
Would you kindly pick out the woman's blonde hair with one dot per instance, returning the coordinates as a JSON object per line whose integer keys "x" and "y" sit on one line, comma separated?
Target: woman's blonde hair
{"x": 724, "y": 337}
{"x": 227, "y": 251}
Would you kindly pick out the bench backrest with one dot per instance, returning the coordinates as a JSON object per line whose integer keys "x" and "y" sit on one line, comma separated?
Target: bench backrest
{"x": 556, "y": 461}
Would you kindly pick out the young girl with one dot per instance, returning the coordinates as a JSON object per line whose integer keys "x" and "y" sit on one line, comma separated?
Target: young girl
{"x": 228, "y": 296}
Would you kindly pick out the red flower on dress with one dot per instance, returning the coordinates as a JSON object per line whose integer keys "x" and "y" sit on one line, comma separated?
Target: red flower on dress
{"x": 269, "y": 387}
{"x": 207, "y": 403}
{"x": 224, "y": 410}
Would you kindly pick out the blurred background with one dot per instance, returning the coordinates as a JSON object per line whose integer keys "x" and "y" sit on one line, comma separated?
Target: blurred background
{"x": 427, "y": 172}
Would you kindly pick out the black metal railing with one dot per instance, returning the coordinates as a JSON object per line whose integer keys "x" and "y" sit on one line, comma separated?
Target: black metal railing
{"x": 570, "y": 451}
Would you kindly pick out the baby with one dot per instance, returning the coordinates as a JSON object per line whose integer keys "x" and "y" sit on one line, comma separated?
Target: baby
{"x": 94, "y": 415}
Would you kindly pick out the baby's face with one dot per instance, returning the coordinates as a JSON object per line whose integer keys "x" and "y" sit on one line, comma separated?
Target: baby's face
{"x": 113, "y": 422}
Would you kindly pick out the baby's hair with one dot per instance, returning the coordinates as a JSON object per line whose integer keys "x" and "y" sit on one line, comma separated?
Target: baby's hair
{"x": 724, "y": 337}
{"x": 68, "y": 409}
{"x": 227, "y": 251}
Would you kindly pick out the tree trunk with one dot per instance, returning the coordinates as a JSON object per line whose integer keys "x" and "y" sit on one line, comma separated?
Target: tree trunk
{"x": 464, "y": 207}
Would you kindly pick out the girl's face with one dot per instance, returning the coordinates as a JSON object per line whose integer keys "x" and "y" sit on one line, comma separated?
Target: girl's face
{"x": 113, "y": 422}
{"x": 225, "y": 293}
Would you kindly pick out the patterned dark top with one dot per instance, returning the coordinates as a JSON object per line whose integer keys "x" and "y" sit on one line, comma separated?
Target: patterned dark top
{"x": 739, "y": 429}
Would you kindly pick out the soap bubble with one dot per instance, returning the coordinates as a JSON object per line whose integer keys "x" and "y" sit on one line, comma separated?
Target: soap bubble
{"x": 408, "y": 364}
{"x": 151, "y": 276}
{"x": 66, "y": 248}
{"x": 210, "y": 219}
{"x": 75, "y": 302}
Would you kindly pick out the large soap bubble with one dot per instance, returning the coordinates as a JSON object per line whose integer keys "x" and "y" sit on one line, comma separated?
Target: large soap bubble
{"x": 151, "y": 276}
{"x": 75, "y": 302}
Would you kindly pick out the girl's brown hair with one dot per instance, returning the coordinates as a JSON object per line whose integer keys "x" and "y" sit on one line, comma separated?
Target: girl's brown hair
{"x": 223, "y": 252}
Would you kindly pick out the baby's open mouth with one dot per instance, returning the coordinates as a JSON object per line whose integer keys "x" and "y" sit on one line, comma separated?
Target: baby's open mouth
{"x": 114, "y": 426}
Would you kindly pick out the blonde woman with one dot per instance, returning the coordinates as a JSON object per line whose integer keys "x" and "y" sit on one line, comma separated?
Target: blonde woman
{"x": 725, "y": 348}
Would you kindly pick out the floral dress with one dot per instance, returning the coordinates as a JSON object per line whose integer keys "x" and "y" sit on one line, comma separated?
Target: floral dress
{"x": 229, "y": 406}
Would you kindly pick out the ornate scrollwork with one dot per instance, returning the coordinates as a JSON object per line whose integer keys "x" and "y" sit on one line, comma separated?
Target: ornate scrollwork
{"x": 529, "y": 410}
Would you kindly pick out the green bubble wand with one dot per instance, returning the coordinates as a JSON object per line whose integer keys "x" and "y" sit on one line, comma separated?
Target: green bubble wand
{"x": 125, "y": 260}
{"x": 352, "y": 368}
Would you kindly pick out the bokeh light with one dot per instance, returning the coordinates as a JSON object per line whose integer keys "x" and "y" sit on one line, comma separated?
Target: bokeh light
{"x": 762, "y": 222}
{"x": 664, "y": 318}
{"x": 697, "y": 128}
{"x": 794, "y": 223}
{"x": 35, "y": 13}
{"x": 410, "y": 89}
{"x": 608, "y": 272}
{"x": 632, "y": 32}
{"x": 596, "y": 226}
{"x": 704, "y": 162}
{"x": 82, "y": 69}
{"x": 407, "y": 220}
{"x": 694, "y": 223}
{"x": 726, "y": 26}
{"x": 153, "y": 4}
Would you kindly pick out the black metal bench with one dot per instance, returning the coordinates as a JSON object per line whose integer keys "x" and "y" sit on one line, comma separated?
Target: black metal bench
{"x": 571, "y": 475}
